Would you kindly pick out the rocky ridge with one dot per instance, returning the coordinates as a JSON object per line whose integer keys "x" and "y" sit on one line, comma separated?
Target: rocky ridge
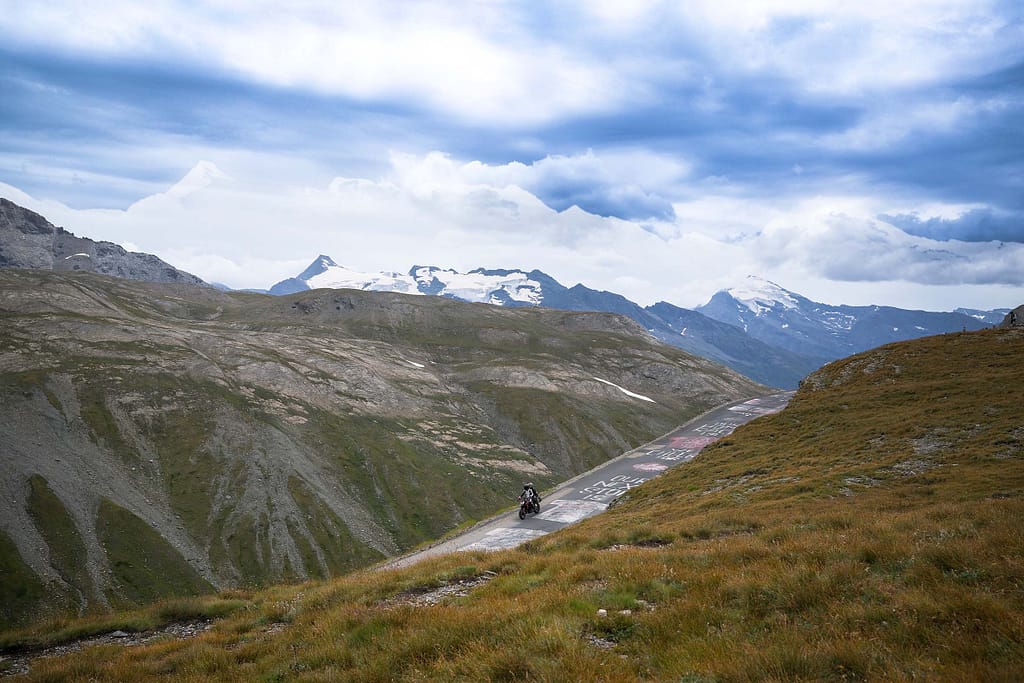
{"x": 27, "y": 240}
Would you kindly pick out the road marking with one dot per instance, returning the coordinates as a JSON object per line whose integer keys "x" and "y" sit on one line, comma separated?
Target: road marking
{"x": 716, "y": 429}
{"x": 500, "y": 539}
{"x": 690, "y": 441}
{"x": 569, "y": 511}
{"x": 613, "y": 488}
{"x": 650, "y": 467}
{"x": 672, "y": 454}
{"x": 752, "y": 410}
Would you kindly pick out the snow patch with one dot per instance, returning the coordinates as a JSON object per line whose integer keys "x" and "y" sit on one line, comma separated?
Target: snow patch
{"x": 626, "y": 391}
{"x": 414, "y": 363}
{"x": 340, "y": 277}
{"x": 760, "y": 295}
{"x": 479, "y": 287}
{"x": 835, "y": 320}
{"x": 484, "y": 288}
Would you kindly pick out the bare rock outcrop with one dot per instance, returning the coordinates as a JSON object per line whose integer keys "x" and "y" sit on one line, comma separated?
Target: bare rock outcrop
{"x": 1014, "y": 318}
{"x": 27, "y": 240}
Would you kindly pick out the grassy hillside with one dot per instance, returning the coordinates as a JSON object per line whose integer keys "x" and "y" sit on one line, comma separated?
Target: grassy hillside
{"x": 870, "y": 531}
{"x": 160, "y": 440}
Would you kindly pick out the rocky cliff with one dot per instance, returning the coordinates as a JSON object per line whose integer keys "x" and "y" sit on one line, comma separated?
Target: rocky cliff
{"x": 27, "y": 240}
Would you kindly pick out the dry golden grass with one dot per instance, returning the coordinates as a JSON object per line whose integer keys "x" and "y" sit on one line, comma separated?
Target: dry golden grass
{"x": 871, "y": 531}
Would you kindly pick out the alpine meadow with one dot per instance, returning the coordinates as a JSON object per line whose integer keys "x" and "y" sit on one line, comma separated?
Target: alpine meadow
{"x": 869, "y": 531}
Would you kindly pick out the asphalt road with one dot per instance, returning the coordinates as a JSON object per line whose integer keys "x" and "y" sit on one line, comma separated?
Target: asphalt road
{"x": 590, "y": 493}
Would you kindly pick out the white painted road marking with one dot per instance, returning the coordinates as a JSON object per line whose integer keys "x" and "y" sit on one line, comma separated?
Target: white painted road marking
{"x": 499, "y": 539}
{"x": 650, "y": 467}
{"x": 751, "y": 410}
{"x": 570, "y": 511}
{"x": 613, "y": 488}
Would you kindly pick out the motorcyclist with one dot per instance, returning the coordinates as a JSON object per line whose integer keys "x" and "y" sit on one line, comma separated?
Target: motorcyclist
{"x": 530, "y": 494}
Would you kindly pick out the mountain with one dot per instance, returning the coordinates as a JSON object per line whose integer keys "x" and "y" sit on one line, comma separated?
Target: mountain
{"x": 503, "y": 287}
{"x": 993, "y": 317}
{"x": 789, "y": 321}
{"x": 27, "y": 240}
{"x": 679, "y": 327}
{"x": 168, "y": 439}
{"x": 868, "y": 532}
{"x": 761, "y": 330}
{"x": 731, "y": 346}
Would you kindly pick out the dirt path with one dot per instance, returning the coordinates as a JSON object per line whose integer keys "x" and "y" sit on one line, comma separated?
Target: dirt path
{"x": 17, "y": 663}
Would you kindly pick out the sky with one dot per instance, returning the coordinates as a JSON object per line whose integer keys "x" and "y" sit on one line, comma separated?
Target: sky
{"x": 855, "y": 153}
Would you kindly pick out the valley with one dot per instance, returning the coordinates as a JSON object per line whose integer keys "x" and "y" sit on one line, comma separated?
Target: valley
{"x": 163, "y": 439}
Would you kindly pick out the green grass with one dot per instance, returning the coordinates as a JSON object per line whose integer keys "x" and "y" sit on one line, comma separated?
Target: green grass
{"x": 144, "y": 565}
{"x": 154, "y": 616}
{"x": 868, "y": 532}
{"x": 21, "y": 591}
{"x": 339, "y": 549}
{"x": 66, "y": 550}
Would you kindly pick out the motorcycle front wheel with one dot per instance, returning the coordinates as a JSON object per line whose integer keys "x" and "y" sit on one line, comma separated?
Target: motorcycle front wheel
{"x": 522, "y": 514}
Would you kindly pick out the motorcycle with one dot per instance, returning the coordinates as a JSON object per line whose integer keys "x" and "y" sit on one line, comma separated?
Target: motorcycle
{"x": 527, "y": 505}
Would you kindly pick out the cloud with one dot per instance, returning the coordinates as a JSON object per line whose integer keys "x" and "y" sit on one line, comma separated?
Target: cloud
{"x": 472, "y": 62}
{"x": 841, "y": 48}
{"x": 975, "y": 225}
{"x": 922, "y": 97}
{"x": 649, "y": 147}
{"x": 627, "y": 184}
{"x": 630, "y": 185}
{"x": 844, "y": 247}
{"x": 251, "y": 231}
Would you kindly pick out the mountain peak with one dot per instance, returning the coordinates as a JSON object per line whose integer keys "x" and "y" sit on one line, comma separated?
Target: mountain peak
{"x": 756, "y": 292}
{"x": 199, "y": 177}
{"x": 319, "y": 265}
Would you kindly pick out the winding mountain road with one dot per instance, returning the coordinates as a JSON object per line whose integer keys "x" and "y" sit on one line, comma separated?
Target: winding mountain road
{"x": 591, "y": 492}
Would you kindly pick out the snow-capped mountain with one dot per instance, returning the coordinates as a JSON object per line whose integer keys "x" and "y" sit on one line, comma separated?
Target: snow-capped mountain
{"x": 759, "y": 329}
{"x": 786, "y": 320}
{"x": 679, "y": 327}
{"x": 501, "y": 287}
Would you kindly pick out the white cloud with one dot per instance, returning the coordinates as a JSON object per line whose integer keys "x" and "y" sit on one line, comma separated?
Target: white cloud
{"x": 472, "y": 62}
{"x": 890, "y": 123}
{"x": 498, "y": 62}
{"x": 435, "y": 210}
{"x": 840, "y": 47}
